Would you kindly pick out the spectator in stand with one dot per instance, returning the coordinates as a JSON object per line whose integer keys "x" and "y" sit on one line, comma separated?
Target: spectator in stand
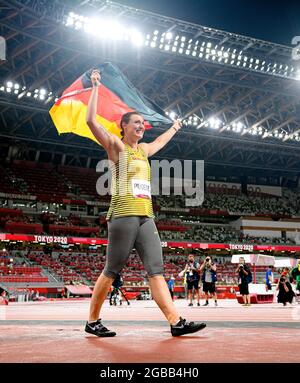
{"x": 269, "y": 278}
{"x": 171, "y": 285}
{"x": 209, "y": 278}
{"x": 245, "y": 277}
{"x": 192, "y": 273}
{"x": 285, "y": 291}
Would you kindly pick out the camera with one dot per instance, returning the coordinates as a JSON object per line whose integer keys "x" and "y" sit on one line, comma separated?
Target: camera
{"x": 282, "y": 280}
{"x": 207, "y": 259}
{"x": 241, "y": 266}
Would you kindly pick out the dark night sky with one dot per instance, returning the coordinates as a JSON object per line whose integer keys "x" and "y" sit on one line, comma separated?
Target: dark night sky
{"x": 276, "y": 21}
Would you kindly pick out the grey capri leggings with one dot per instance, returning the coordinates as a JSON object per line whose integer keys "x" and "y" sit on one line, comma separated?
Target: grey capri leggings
{"x": 126, "y": 233}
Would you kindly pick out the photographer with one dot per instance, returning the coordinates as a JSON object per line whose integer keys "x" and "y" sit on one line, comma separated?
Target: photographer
{"x": 209, "y": 278}
{"x": 115, "y": 295}
{"x": 245, "y": 277}
{"x": 192, "y": 273}
{"x": 286, "y": 293}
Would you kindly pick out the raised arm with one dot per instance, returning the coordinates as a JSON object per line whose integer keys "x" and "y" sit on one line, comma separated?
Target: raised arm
{"x": 108, "y": 140}
{"x": 156, "y": 145}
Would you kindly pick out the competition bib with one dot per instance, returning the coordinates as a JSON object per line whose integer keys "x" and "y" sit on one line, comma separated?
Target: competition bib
{"x": 141, "y": 188}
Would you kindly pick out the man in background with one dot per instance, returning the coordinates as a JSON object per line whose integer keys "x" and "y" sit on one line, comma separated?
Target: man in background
{"x": 192, "y": 273}
{"x": 245, "y": 277}
{"x": 209, "y": 278}
{"x": 269, "y": 278}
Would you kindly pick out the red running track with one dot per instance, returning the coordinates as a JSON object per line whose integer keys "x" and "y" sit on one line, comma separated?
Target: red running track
{"x": 53, "y": 332}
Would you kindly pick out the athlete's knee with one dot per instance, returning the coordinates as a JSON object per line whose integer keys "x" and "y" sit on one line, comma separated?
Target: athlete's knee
{"x": 155, "y": 270}
{"x": 109, "y": 273}
{"x": 156, "y": 274}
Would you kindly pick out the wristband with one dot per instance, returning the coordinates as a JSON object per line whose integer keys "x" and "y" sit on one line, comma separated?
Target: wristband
{"x": 175, "y": 128}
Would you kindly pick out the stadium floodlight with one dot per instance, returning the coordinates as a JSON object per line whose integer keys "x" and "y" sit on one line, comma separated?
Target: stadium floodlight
{"x": 239, "y": 127}
{"x": 214, "y": 123}
{"x": 42, "y": 97}
{"x": 78, "y": 25}
{"x": 16, "y": 86}
{"x": 9, "y": 84}
{"x": 153, "y": 44}
{"x": 8, "y": 90}
{"x": 28, "y": 94}
{"x": 172, "y": 115}
{"x": 136, "y": 37}
{"x": 111, "y": 29}
{"x": 92, "y": 26}
{"x": 43, "y": 91}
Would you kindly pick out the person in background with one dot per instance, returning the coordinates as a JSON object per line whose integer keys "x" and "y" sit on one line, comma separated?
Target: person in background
{"x": 209, "y": 278}
{"x": 244, "y": 277}
{"x": 192, "y": 274}
{"x": 295, "y": 273}
{"x": 171, "y": 285}
{"x": 269, "y": 278}
{"x": 285, "y": 291}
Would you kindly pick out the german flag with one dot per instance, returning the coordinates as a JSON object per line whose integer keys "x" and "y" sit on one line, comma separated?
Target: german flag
{"x": 116, "y": 96}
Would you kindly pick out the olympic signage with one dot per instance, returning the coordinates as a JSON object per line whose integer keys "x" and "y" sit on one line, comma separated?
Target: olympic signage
{"x": 181, "y": 245}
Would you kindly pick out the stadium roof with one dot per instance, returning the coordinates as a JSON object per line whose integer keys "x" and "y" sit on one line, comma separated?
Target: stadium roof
{"x": 239, "y": 96}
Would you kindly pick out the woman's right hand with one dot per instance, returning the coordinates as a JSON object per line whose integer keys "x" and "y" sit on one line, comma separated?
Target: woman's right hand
{"x": 95, "y": 77}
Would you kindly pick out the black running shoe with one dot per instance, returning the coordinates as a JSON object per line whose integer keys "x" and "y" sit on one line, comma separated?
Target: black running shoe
{"x": 97, "y": 328}
{"x": 183, "y": 327}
